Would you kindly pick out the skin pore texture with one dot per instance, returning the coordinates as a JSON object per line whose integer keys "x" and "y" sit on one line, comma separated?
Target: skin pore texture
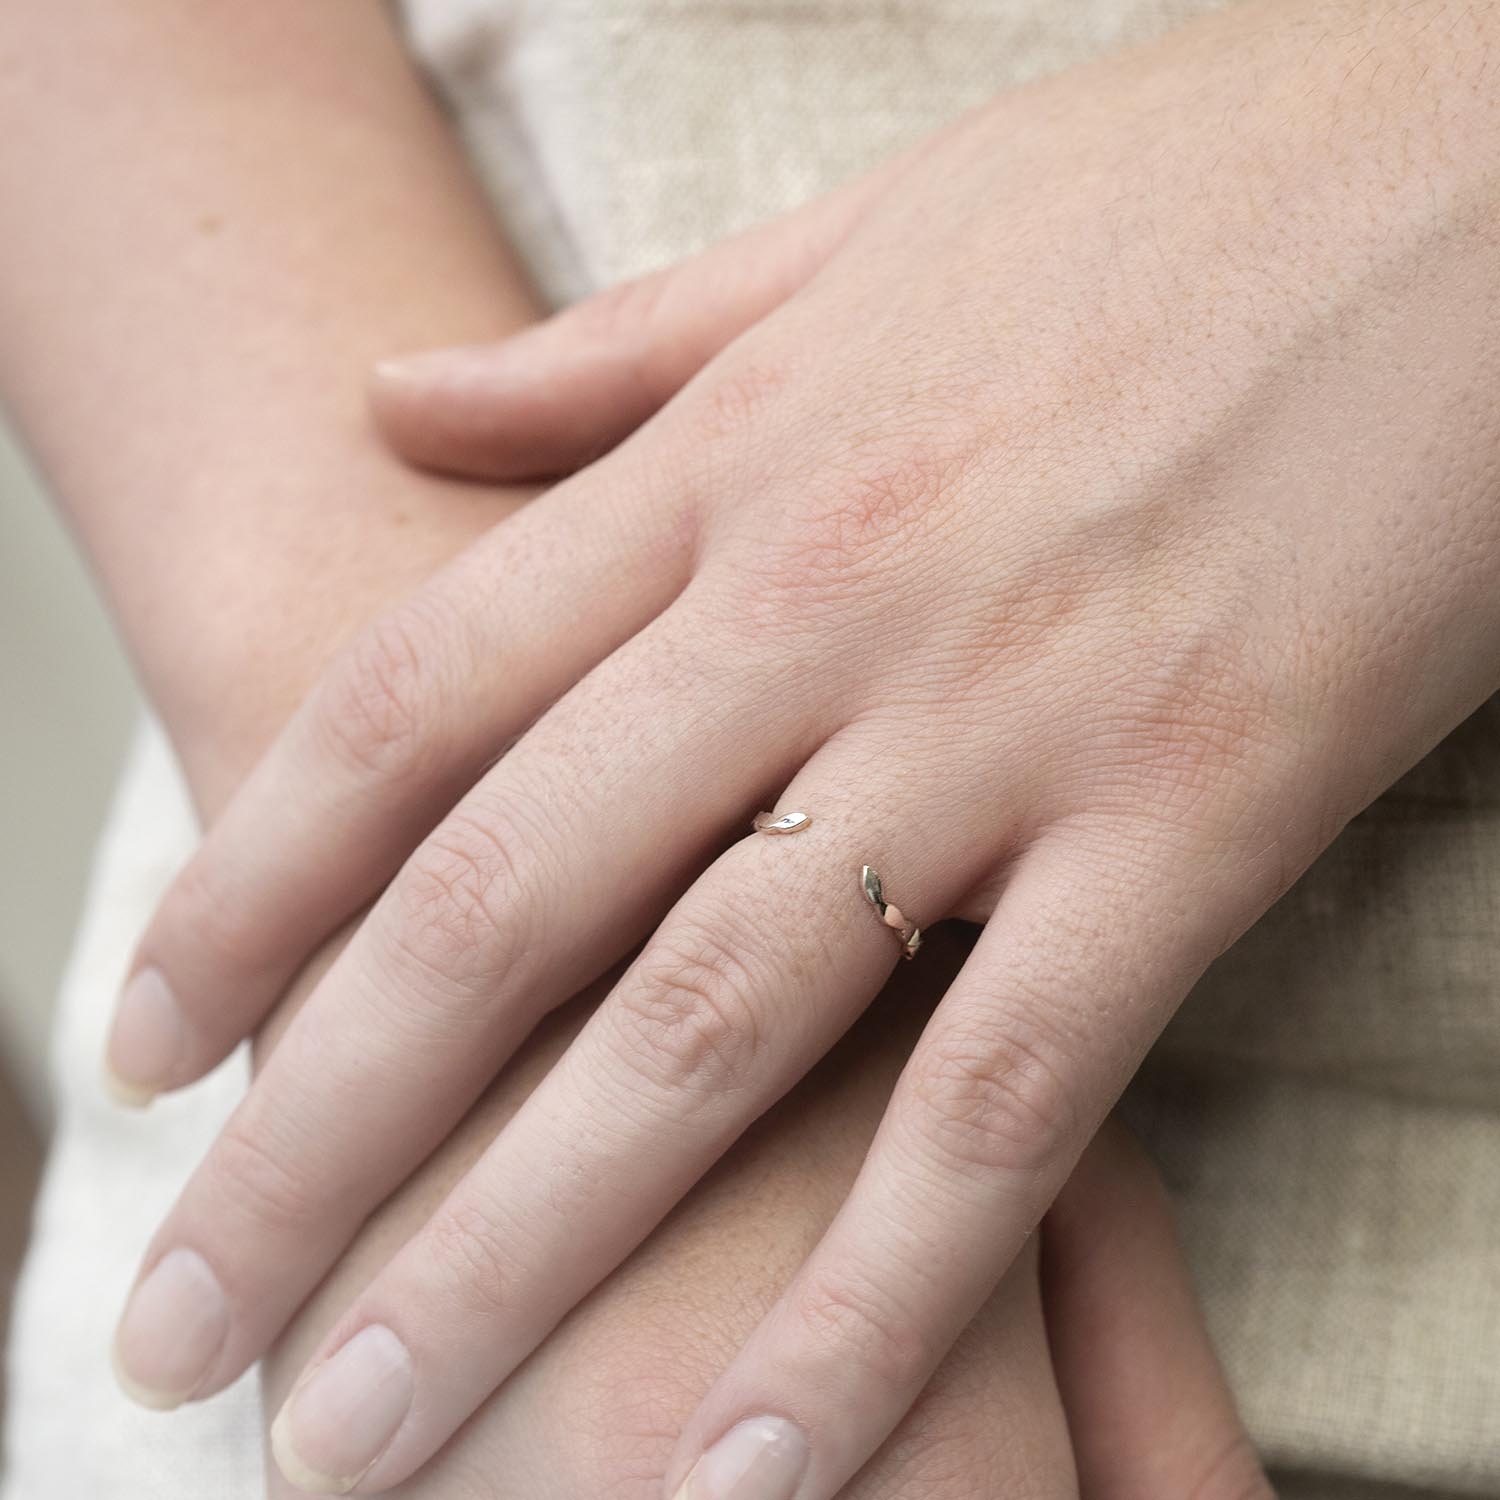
{"x": 1081, "y": 522}
{"x": 217, "y": 217}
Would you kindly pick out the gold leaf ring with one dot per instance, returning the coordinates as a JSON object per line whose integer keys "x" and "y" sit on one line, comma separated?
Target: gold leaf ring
{"x": 891, "y": 914}
{"x": 792, "y": 822}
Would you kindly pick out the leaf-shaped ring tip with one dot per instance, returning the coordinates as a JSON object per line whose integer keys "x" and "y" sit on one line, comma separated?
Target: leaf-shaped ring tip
{"x": 891, "y": 914}
{"x": 792, "y": 822}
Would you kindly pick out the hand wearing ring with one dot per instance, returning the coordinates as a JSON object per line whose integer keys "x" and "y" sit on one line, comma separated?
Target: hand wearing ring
{"x": 1082, "y": 575}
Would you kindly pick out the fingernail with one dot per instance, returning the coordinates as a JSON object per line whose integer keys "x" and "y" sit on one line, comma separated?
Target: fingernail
{"x": 147, "y": 1041}
{"x": 763, "y": 1458}
{"x": 432, "y": 364}
{"x": 171, "y": 1330}
{"x": 342, "y": 1417}
{"x": 401, "y": 370}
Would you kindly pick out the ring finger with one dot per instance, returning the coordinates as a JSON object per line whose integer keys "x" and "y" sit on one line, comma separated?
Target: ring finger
{"x": 755, "y": 973}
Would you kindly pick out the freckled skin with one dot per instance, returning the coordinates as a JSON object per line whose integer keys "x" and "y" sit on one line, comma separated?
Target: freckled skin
{"x": 1082, "y": 519}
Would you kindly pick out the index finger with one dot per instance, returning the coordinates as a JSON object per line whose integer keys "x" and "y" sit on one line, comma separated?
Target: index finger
{"x": 398, "y": 728}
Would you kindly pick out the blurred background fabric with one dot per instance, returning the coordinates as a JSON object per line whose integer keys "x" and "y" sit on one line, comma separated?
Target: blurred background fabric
{"x": 66, "y": 706}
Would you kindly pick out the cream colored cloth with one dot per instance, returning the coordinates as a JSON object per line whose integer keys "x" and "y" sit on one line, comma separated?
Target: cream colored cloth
{"x": 111, "y": 1176}
{"x": 1326, "y": 1107}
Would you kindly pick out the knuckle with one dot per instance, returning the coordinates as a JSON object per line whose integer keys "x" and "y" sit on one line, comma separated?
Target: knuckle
{"x": 374, "y": 709}
{"x": 690, "y": 1019}
{"x": 1205, "y": 702}
{"x": 1217, "y": 763}
{"x": 991, "y": 1094}
{"x": 262, "y": 1182}
{"x": 1194, "y": 739}
{"x": 461, "y": 903}
{"x": 742, "y": 391}
{"x": 852, "y": 1320}
{"x": 471, "y": 1264}
{"x": 884, "y": 496}
{"x": 864, "y": 525}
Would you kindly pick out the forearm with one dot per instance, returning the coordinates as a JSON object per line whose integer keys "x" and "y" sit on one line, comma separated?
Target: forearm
{"x": 217, "y": 216}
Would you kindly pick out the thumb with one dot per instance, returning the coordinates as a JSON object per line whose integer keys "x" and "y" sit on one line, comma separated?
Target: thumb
{"x": 1147, "y": 1403}
{"x": 556, "y": 396}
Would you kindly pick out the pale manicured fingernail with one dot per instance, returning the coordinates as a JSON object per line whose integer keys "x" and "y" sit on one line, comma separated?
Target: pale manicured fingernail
{"x": 404, "y": 369}
{"x": 172, "y": 1328}
{"x": 342, "y": 1416}
{"x": 436, "y": 364}
{"x": 763, "y": 1458}
{"x": 147, "y": 1041}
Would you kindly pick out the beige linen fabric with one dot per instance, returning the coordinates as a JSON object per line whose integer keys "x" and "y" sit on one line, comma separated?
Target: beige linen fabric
{"x": 1326, "y": 1109}
{"x": 1326, "y": 1106}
